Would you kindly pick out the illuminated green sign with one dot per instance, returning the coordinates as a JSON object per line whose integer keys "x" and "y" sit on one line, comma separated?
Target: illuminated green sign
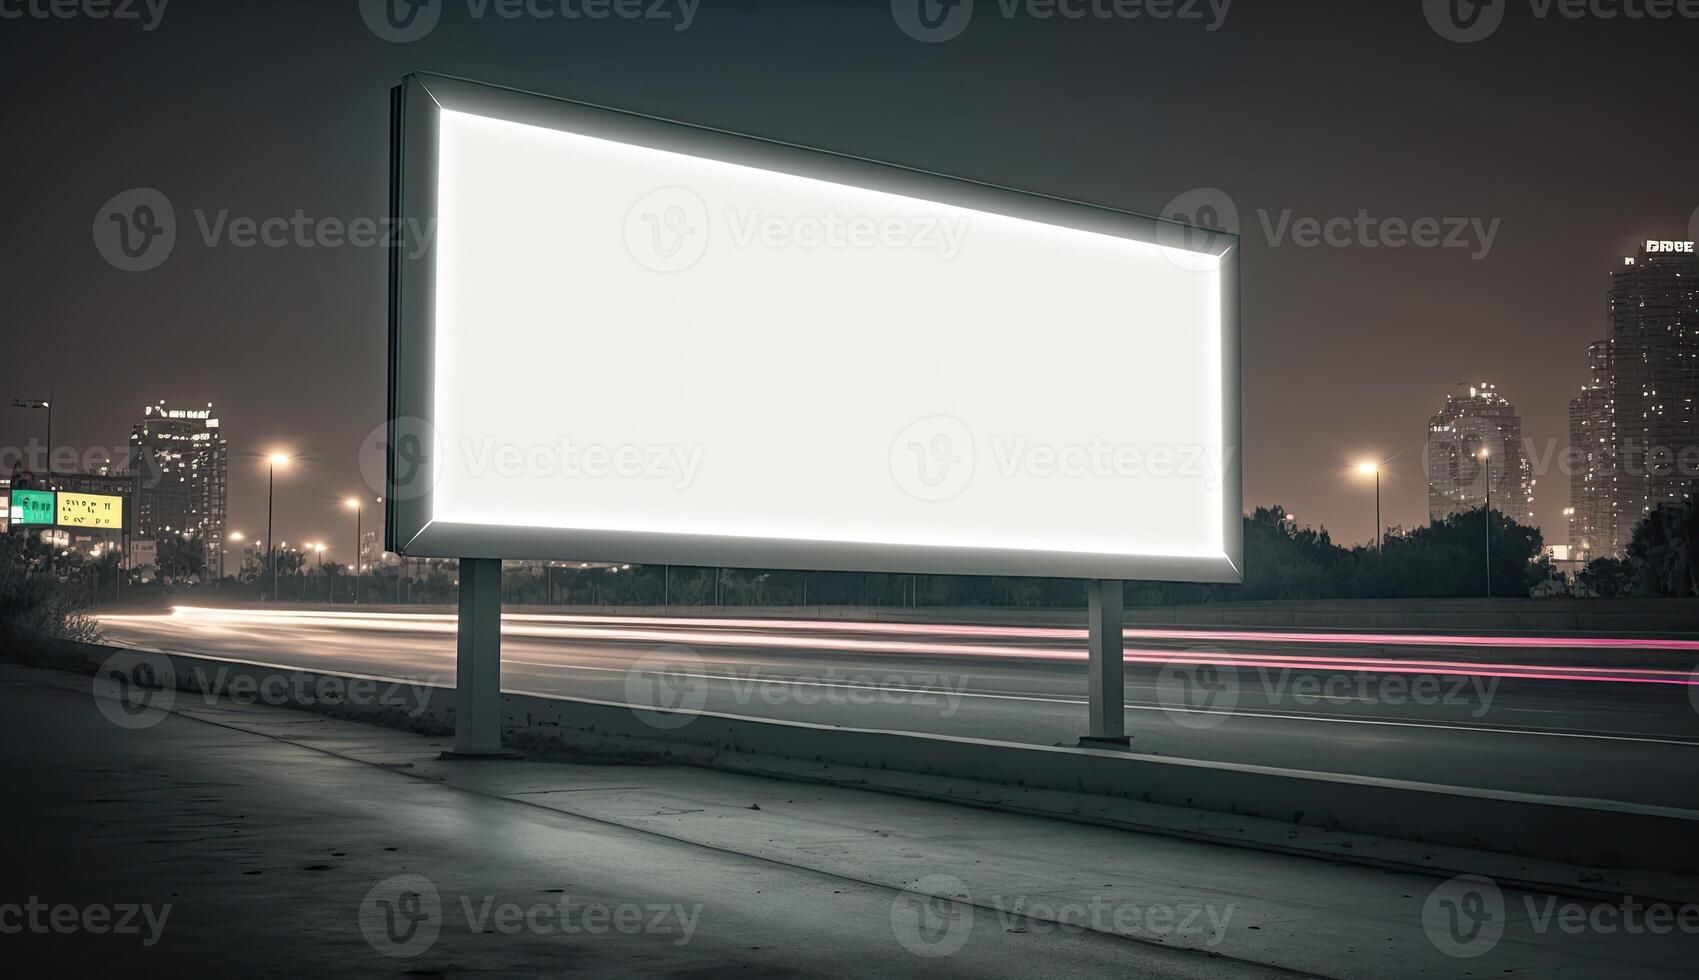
{"x": 32, "y": 507}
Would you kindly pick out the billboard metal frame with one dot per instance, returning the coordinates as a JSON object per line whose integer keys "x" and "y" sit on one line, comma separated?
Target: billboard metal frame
{"x": 410, "y": 529}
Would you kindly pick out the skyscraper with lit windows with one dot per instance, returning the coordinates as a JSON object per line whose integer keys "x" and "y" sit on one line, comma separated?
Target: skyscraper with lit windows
{"x": 180, "y": 462}
{"x": 1474, "y": 424}
{"x": 1634, "y": 429}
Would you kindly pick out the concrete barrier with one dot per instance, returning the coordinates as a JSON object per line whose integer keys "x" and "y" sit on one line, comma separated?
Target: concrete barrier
{"x": 1596, "y": 833}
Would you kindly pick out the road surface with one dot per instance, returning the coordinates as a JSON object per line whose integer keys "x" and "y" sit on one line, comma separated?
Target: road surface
{"x": 1614, "y": 719}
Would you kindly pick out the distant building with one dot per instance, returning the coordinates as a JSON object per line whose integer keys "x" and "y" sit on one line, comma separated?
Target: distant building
{"x": 180, "y": 463}
{"x": 1635, "y": 425}
{"x": 1472, "y": 423}
{"x": 1593, "y": 478}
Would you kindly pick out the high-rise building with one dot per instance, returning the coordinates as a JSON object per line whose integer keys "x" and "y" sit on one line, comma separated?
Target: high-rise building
{"x": 1469, "y": 428}
{"x": 1593, "y": 474}
{"x": 1654, "y": 333}
{"x": 181, "y": 463}
{"x": 1635, "y": 426}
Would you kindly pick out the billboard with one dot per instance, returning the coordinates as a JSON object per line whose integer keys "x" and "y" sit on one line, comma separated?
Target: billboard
{"x": 5, "y": 511}
{"x": 91, "y": 510}
{"x": 143, "y": 553}
{"x": 621, "y": 338}
{"x": 32, "y": 507}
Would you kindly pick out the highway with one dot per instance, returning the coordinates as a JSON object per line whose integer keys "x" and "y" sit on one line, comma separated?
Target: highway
{"x": 1607, "y": 718}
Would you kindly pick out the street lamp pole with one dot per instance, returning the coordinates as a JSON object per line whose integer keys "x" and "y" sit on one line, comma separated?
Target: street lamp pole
{"x": 270, "y": 541}
{"x": 1366, "y": 469}
{"x": 1487, "y": 457}
{"x": 272, "y": 463}
{"x": 359, "y": 540}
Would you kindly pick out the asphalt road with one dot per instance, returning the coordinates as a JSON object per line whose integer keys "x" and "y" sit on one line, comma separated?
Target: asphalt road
{"x": 1614, "y": 719}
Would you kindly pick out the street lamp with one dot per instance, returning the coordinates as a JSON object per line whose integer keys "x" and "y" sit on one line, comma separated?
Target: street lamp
{"x": 1487, "y": 460}
{"x": 353, "y": 503}
{"x": 44, "y": 403}
{"x": 273, "y": 461}
{"x": 1367, "y": 469}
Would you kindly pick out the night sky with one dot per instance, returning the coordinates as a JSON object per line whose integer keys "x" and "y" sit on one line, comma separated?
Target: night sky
{"x": 1579, "y": 137}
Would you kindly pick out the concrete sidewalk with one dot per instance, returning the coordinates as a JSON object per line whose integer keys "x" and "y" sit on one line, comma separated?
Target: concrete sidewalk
{"x": 286, "y": 841}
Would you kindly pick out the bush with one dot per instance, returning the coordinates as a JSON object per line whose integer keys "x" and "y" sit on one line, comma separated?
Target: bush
{"x": 36, "y": 609}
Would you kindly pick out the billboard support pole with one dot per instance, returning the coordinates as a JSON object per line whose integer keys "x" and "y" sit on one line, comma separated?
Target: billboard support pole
{"x": 477, "y": 689}
{"x": 1106, "y": 714}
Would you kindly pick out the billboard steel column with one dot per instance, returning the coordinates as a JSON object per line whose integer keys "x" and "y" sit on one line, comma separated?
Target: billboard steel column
{"x": 1106, "y": 713}
{"x": 477, "y": 689}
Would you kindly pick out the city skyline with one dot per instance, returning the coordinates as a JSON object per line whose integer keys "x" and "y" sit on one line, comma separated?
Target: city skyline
{"x": 1531, "y": 457}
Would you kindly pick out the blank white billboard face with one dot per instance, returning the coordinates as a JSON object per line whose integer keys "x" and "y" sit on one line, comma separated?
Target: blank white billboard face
{"x": 649, "y": 343}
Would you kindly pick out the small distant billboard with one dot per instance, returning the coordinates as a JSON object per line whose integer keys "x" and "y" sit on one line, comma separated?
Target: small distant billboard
{"x": 32, "y": 508}
{"x": 143, "y": 554}
{"x": 90, "y": 510}
{"x": 5, "y": 511}
{"x": 620, "y": 338}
